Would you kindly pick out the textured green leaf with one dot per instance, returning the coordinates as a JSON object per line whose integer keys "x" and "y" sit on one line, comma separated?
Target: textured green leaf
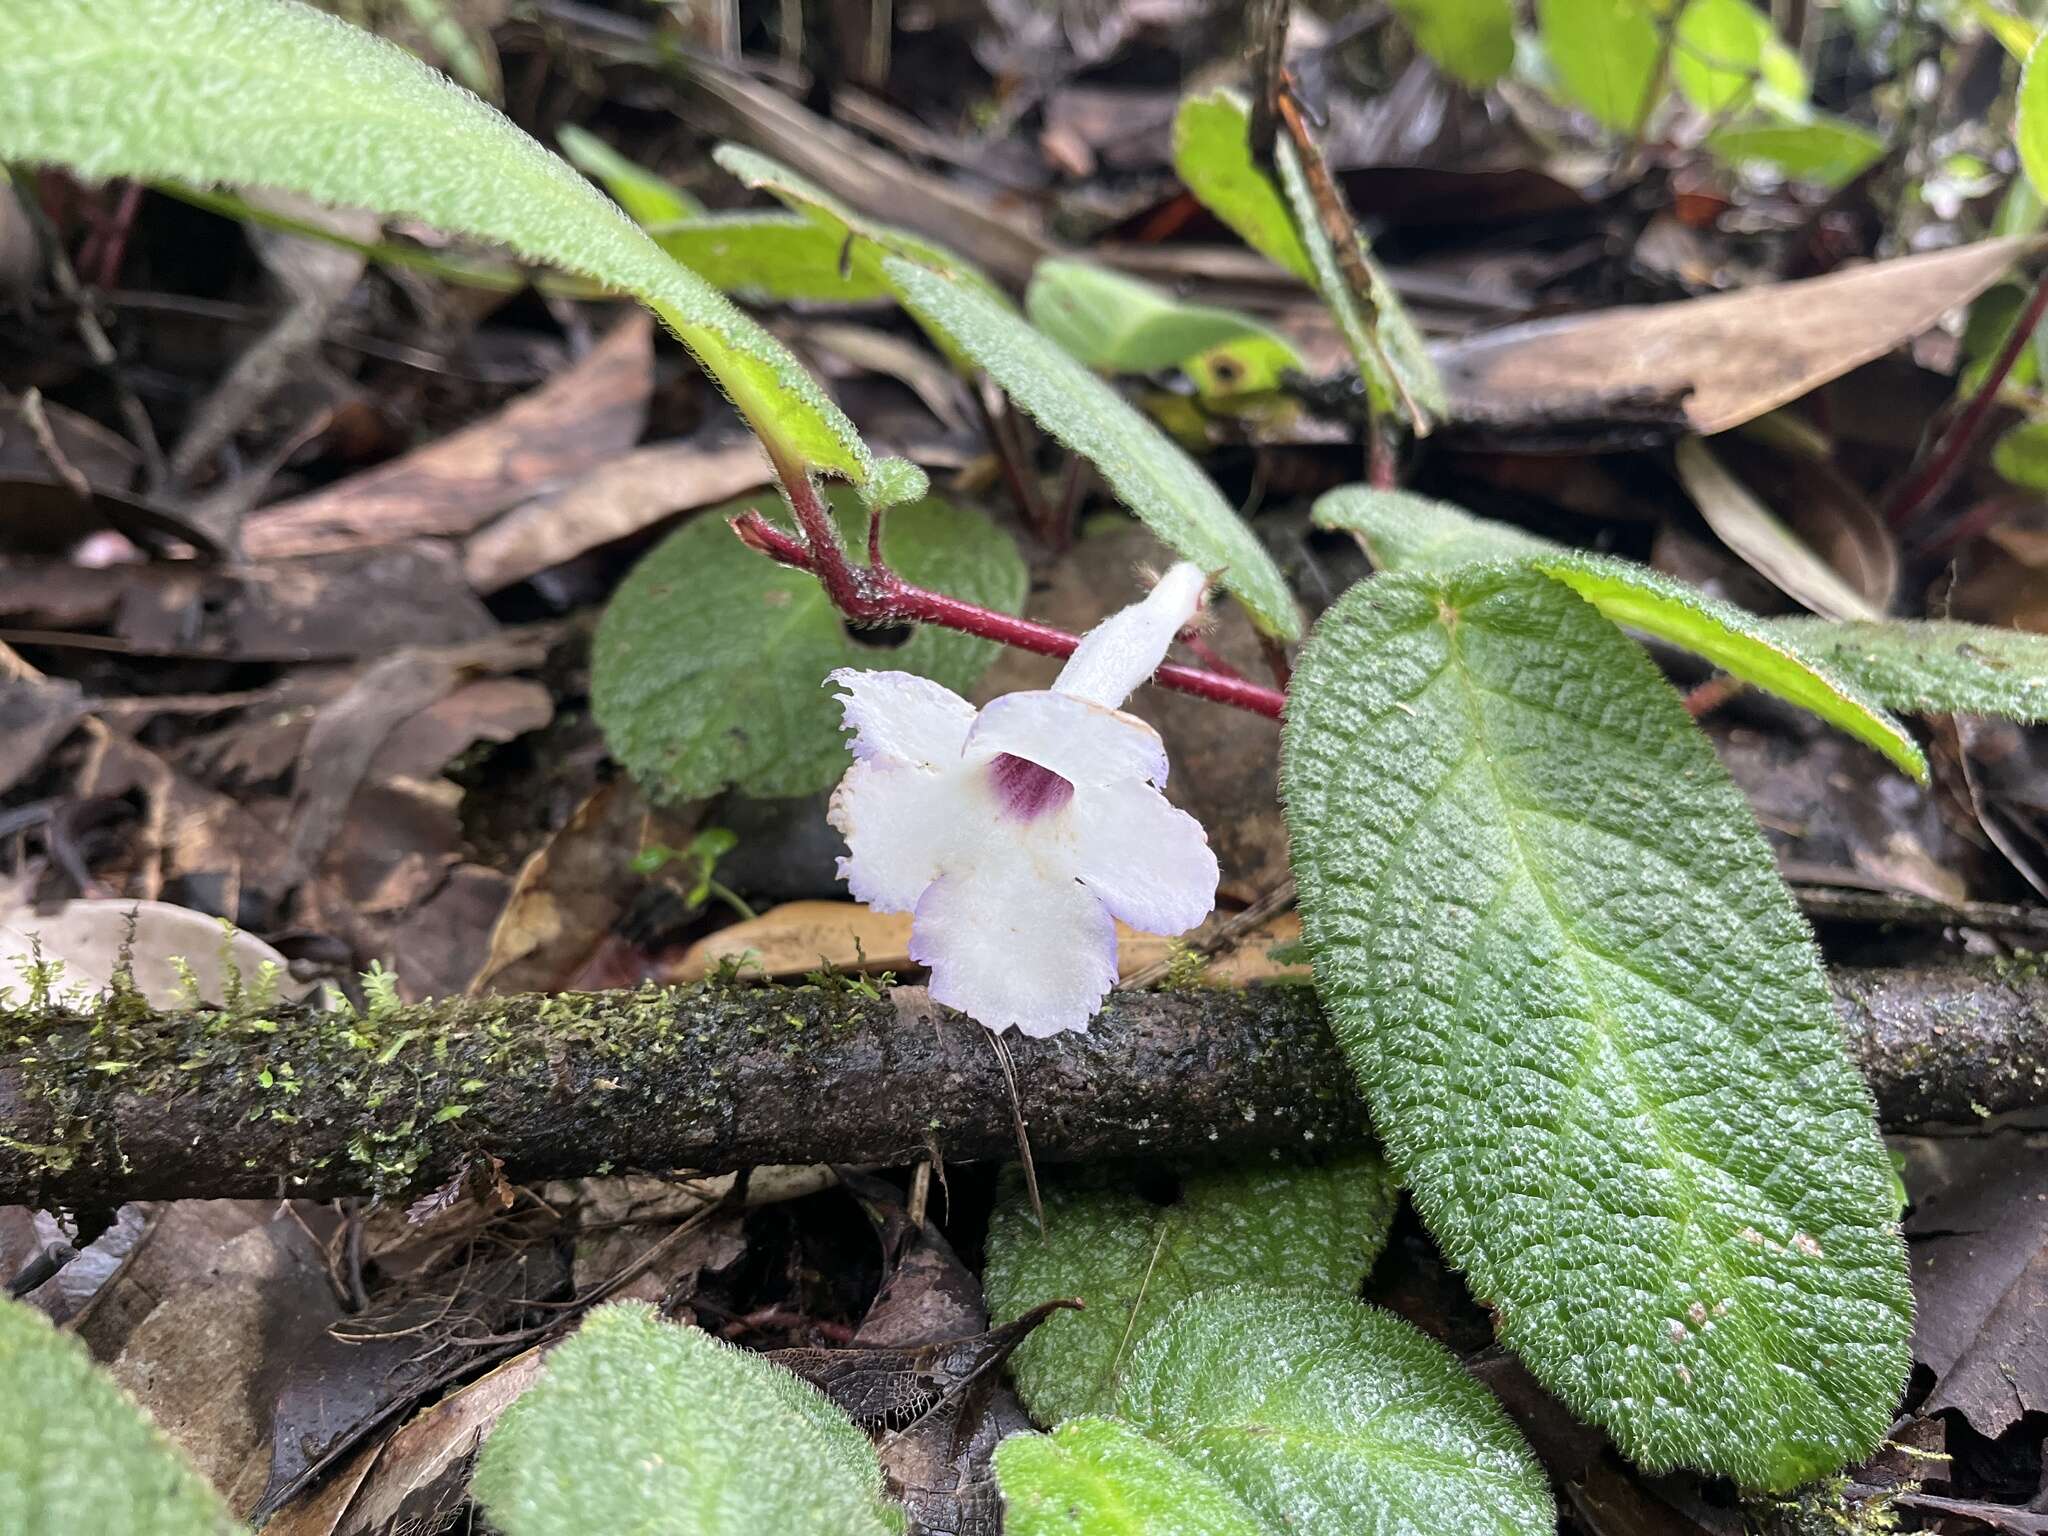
{"x": 1726, "y": 53}
{"x": 2031, "y": 127}
{"x": 1932, "y": 666}
{"x": 1405, "y": 532}
{"x": 1473, "y": 40}
{"x": 1399, "y": 375}
{"x": 1825, "y": 150}
{"x": 1604, "y": 54}
{"x": 2021, "y": 455}
{"x": 1327, "y": 1415}
{"x": 77, "y": 1455}
{"x": 773, "y": 258}
{"x": 648, "y": 198}
{"x": 708, "y": 667}
{"x": 1212, "y": 155}
{"x": 255, "y": 92}
{"x": 1148, "y": 472}
{"x": 1132, "y": 1260}
{"x": 1122, "y": 325}
{"x": 1402, "y": 531}
{"x": 639, "y": 1425}
{"x": 1100, "y": 1477}
{"x": 1591, "y": 1024}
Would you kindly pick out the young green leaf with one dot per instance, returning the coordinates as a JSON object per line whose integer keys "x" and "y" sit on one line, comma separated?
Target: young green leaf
{"x": 78, "y": 1455}
{"x": 1932, "y": 666}
{"x": 1405, "y": 532}
{"x": 1726, "y": 53}
{"x": 1100, "y": 1477}
{"x": 639, "y": 1425}
{"x": 2021, "y": 455}
{"x": 1606, "y": 56}
{"x": 1212, "y": 155}
{"x": 1474, "y": 40}
{"x": 2031, "y": 128}
{"x": 1323, "y": 1414}
{"x": 1399, "y": 376}
{"x": 647, "y": 197}
{"x": 1122, "y": 325}
{"x": 254, "y": 92}
{"x": 1132, "y": 1261}
{"x": 1591, "y": 1025}
{"x": 774, "y": 258}
{"x": 708, "y": 667}
{"x": 1149, "y": 474}
{"x": 1827, "y": 151}
{"x": 1402, "y": 531}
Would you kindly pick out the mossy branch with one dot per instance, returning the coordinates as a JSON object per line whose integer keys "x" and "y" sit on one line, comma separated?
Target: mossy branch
{"x": 125, "y": 1102}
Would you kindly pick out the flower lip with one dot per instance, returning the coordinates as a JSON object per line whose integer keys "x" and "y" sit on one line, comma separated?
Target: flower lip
{"x": 1026, "y": 790}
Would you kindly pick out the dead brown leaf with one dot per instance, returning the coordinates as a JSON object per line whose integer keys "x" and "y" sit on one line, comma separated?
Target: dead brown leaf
{"x": 563, "y": 430}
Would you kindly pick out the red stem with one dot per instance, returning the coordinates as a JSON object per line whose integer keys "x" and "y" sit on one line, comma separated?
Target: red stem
{"x": 1945, "y": 459}
{"x": 877, "y": 595}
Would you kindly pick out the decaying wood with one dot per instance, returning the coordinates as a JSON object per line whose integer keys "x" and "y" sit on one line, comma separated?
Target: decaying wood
{"x": 133, "y": 1104}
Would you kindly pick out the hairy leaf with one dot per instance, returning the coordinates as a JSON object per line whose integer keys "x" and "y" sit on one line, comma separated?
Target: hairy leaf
{"x": 1604, "y": 54}
{"x": 254, "y": 92}
{"x": 648, "y": 198}
{"x": 1122, "y": 325}
{"x": 1591, "y": 1024}
{"x": 708, "y": 667}
{"x": 771, "y": 257}
{"x": 1472, "y": 39}
{"x": 1323, "y": 1414}
{"x": 1212, "y": 155}
{"x": 1149, "y": 474}
{"x": 1405, "y": 532}
{"x": 639, "y": 1425}
{"x": 1932, "y": 666}
{"x": 1100, "y": 1477}
{"x": 1827, "y": 151}
{"x": 78, "y": 1454}
{"x": 1131, "y": 1260}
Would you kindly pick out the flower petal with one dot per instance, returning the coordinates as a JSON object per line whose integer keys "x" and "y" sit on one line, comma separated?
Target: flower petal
{"x": 1149, "y": 862}
{"x": 1083, "y": 743}
{"x": 1127, "y": 647}
{"x": 901, "y": 823}
{"x": 1007, "y": 945}
{"x": 899, "y": 714}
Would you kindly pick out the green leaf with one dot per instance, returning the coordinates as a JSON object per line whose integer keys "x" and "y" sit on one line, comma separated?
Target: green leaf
{"x": 1398, "y": 373}
{"x": 1591, "y": 1025}
{"x": 1604, "y": 54}
{"x": 78, "y": 1454}
{"x": 2015, "y": 34}
{"x": 2030, "y": 129}
{"x": 648, "y": 198}
{"x": 1405, "y": 532}
{"x": 1402, "y": 531}
{"x": 1212, "y": 155}
{"x": 1100, "y": 1477}
{"x": 1122, "y": 325}
{"x": 773, "y": 258}
{"x": 1726, "y": 51}
{"x": 1131, "y": 1260}
{"x": 253, "y": 92}
{"x": 1149, "y": 474}
{"x": 1825, "y": 150}
{"x": 639, "y": 1425}
{"x": 2021, "y": 455}
{"x": 1474, "y": 40}
{"x": 708, "y": 667}
{"x": 1932, "y": 666}
{"x": 1323, "y": 1414}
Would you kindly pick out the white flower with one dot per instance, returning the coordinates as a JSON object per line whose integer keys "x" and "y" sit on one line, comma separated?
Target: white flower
{"x": 1013, "y": 836}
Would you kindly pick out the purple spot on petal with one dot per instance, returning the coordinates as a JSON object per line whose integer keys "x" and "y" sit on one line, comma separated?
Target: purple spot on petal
{"x": 1026, "y": 791}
